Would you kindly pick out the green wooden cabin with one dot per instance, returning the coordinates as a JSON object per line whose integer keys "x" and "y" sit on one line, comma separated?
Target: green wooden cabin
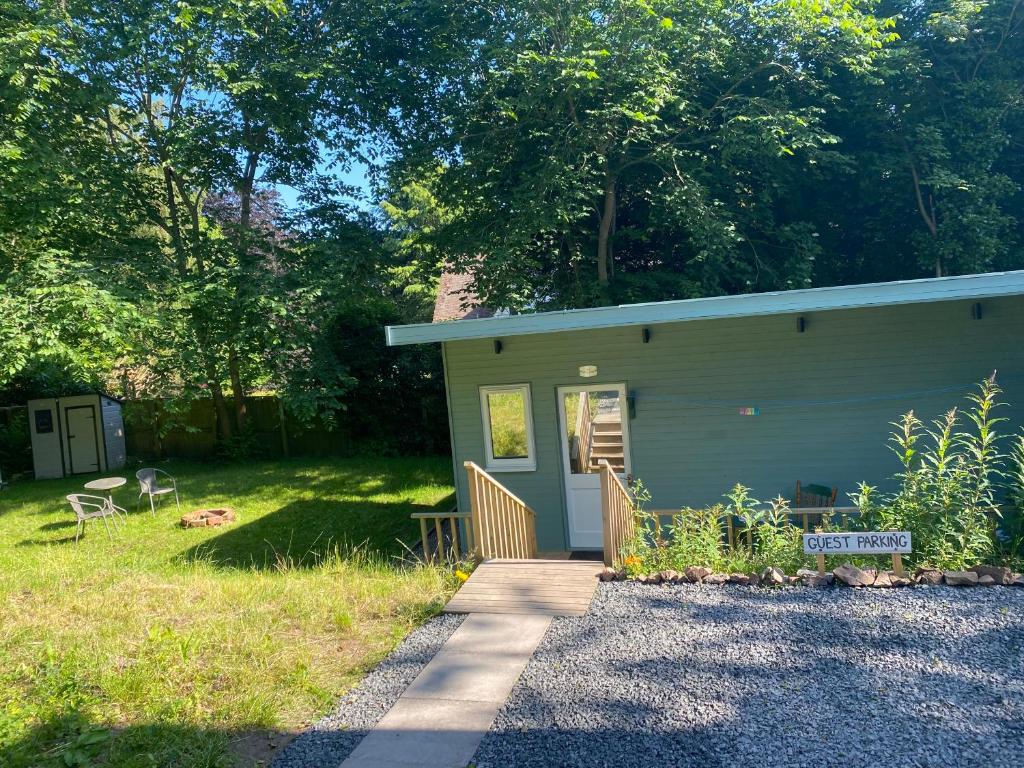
{"x": 695, "y": 396}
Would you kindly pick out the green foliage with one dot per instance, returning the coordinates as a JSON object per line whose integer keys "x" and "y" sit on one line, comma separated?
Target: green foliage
{"x": 765, "y": 537}
{"x": 1012, "y": 539}
{"x": 650, "y": 144}
{"x": 947, "y": 494}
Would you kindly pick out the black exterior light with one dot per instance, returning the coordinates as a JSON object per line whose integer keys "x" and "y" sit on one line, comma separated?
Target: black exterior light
{"x": 801, "y": 324}
{"x": 497, "y": 346}
{"x": 646, "y": 335}
{"x": 976, "y": 310}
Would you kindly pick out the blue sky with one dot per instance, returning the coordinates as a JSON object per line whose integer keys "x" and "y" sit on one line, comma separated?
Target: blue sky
{"x": 357, "y": 176}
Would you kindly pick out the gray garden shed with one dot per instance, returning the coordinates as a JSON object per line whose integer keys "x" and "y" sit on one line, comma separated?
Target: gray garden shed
{"x": 76, "y": 435}
{"x": 696, "y": 395}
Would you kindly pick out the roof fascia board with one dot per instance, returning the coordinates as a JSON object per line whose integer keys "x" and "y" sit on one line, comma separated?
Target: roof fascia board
{"x": 934, "y": 289}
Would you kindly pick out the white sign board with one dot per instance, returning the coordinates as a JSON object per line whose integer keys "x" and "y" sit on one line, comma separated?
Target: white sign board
{"x": 860, "y": 543}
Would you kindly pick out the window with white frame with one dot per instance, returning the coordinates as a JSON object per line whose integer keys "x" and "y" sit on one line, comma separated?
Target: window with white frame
{"x": 508, "y": 428}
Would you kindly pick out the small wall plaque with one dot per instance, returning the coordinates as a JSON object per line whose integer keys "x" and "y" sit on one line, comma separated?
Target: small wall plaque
{"x": 750, "y": 411}
{"x": 588, "y": 371}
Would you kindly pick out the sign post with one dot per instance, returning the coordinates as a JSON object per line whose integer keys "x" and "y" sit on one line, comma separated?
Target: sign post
{"x": 895, "y": 543}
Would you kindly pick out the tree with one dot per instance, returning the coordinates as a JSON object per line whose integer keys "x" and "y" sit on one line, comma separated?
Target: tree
{"x": 653, "y": 139}
{"x": 208, "y": 102}
{"x": 938, "y": 139}
{"x": 59, "y": 309}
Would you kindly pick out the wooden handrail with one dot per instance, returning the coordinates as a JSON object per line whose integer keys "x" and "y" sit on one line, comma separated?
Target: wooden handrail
{"x": 504, "y": 526}
{"x": 584, "y": 433}
{"x": 618, "y": 513}
{"x": 453, "y": 519}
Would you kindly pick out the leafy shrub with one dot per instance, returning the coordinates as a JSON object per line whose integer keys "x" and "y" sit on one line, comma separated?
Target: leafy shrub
{"x": 952, "y": 476}
{"x": 697, "y": 537}
{"x": 947, "y": 494}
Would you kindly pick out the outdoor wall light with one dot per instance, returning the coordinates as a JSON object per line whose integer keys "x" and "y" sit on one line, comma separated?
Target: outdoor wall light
{"x": 497, "y": 346}
{"x": 801, "y": 323}
{"x": 646, "y": 335}
{"x": 976, "y": 310}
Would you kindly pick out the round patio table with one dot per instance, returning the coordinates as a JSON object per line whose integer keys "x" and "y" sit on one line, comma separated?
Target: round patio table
{"x": 108, "y": 484}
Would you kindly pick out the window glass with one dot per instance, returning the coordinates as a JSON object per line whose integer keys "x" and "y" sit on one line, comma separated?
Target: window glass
{"x": 44, "y": 421}
{"x": 593, "y": 425}
{"x": 508, "y": 425}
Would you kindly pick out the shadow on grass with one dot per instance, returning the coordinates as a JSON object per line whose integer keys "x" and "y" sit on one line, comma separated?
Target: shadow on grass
{"x": 70, "y": 738}
{"x": 302, "y": 533}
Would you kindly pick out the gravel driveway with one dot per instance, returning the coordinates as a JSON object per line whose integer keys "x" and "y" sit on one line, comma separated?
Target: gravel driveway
{"x": 696, "y": 676}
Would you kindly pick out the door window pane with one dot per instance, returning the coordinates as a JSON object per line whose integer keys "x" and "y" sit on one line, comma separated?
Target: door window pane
{"x": 593, "y": 422}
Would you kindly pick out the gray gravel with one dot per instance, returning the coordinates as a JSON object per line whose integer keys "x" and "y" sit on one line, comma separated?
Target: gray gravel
{"x": 334, "y": 737}
{"x": 732, "y": 677}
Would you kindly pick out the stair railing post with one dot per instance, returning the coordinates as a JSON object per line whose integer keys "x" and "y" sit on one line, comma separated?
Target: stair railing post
{"x": 474, "y": 506}
{"x": 606, "y": 512}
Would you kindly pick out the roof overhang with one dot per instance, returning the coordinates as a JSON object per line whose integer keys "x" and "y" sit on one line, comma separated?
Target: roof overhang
{"x": 959, "y": 288}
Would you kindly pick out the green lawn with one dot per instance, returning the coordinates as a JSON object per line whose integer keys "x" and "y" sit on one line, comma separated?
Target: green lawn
{"x": 174, "y": 647}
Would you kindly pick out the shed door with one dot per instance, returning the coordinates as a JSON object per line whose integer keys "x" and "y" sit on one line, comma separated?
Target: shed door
{"x": 83, "y": 439}
{"x": 592, "y": 428}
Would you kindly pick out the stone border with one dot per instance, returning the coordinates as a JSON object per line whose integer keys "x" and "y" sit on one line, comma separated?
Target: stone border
{"x": 850, "y": 575}
{"x": 202, "y": 518}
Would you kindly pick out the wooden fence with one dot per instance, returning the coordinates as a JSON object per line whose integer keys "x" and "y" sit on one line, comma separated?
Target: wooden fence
{"x": 433, "y": 522}
{"x": 618, "y": 513}
{"x": 503, "y": 525}
{"x": 156, "y": 430}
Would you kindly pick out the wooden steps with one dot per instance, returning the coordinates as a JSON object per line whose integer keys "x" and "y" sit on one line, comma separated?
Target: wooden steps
{"x": 543, "y": 587}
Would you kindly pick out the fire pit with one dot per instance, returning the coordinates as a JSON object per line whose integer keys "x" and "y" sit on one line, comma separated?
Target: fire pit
{"x": 203, "y": 517}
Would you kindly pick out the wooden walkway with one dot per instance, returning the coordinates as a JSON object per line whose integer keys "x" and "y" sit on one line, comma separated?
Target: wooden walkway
{"x": 538, "y": 587}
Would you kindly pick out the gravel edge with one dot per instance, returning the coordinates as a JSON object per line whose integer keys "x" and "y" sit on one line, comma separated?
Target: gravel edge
{"x": 692, "y": 677}
{"x": 333, "y": 738}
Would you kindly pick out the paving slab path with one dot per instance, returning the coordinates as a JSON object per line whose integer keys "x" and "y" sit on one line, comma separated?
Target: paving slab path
{"x": 442, "y": 716}
{"x": 440, "y": 719}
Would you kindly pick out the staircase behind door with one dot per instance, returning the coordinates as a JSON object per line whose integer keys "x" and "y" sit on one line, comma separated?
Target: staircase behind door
{"x": 598, "y": 438}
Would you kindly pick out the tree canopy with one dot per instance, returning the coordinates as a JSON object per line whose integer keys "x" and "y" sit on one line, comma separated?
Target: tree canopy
{"x": 172, "y": 220}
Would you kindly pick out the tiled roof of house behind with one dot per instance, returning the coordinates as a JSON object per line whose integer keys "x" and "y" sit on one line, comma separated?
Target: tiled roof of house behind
{"x": 455, "y": 300}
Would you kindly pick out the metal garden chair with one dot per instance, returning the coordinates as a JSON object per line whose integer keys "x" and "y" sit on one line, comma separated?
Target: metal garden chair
{"x": 88, "y": 507}
{"x": 151, "y": 485}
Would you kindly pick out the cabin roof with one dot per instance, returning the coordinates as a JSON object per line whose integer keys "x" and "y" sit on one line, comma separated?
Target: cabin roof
{"x": 934, "y": 289}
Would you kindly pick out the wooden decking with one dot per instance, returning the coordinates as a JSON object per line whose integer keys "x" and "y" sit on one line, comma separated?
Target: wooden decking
{"x": 541, "y": 587}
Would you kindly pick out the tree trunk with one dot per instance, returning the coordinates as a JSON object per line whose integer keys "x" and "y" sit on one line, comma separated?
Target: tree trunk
{"x": 604, "y": 230}
{"x": 219, "y": 404}
{"x": 237, "y": 392}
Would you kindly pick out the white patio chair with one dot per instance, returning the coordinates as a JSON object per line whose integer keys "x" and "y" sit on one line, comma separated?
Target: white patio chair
{"x": 151, "y": 485}
{"x": 88, "y": 507}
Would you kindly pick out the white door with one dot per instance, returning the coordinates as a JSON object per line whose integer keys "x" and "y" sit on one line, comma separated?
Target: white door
{"x": 82, "y": 439}
{"x": 593, "y": 426}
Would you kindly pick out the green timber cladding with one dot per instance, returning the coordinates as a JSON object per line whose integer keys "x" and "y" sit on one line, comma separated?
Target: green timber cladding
{"x": 825, "y": 396}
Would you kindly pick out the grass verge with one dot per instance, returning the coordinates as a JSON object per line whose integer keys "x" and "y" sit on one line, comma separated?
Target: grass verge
{"x": 170, "y": 647}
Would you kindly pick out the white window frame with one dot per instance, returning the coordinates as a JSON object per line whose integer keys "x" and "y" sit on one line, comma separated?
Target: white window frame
{"x": 492, "y": 464}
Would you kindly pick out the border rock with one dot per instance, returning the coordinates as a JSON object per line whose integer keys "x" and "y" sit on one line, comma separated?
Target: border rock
{"x": 852, "y": 576}
{"x": 1000, "y": 574}
{"x": 696, "y": 573}
{"x": 928, "y": 576}
{"x": 772, "y": 577}
{"x": 962, "y": 578}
